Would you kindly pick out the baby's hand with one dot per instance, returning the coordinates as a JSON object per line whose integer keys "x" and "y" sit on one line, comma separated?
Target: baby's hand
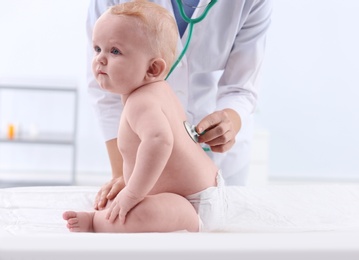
{"x": 122, "y": 204}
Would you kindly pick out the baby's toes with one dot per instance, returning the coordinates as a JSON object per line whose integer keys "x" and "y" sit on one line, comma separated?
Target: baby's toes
{"x": 69, "y": 214}
{"x": 73, "y": 221}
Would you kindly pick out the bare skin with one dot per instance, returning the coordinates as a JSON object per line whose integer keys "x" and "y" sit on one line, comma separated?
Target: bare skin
{"x": 161, "y": 163}
{"x": 164, "y": 212}
{"x": 165, "y": 187}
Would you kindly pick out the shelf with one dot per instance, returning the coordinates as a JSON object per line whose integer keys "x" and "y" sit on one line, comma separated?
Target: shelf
{"x": 38, "y": 84}
{"x": 16, "y": 178}
{"x": 38, "y": 88}
{"x": 45, "y": 138}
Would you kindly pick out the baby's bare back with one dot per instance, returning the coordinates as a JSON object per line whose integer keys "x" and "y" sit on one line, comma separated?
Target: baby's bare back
{"x": 188, "y": 169}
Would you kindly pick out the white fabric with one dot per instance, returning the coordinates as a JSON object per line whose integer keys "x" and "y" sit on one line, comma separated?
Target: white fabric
{"x": 211, "y": 205}
{"x": 220, "y": 70}
{"x": 31, "y": 227}
{"x": 292, "y": 208}
{"x": 37, "y": 210}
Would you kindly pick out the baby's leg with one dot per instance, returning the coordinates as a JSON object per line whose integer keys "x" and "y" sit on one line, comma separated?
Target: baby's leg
{"x": 79, "y": 221}
{"x": 165, "y": 212}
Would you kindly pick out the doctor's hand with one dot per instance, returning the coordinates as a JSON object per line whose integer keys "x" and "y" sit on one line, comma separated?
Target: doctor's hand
{"x": 219, "y": 129}
{"x": 108, "y": 192}
{"x": 122, "y": 204}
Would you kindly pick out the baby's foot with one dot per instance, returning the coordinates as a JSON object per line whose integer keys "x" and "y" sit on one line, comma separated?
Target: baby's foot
{"x": 79, "y": 221}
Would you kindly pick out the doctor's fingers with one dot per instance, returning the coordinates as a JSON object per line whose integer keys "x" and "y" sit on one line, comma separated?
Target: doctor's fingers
{"x": 219, "y": 134}
{"x": 216, "y": 119}
{"x": 222, "y": 143}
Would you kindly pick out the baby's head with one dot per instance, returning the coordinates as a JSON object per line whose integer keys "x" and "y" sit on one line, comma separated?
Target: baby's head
{"x": 156, "y": 23}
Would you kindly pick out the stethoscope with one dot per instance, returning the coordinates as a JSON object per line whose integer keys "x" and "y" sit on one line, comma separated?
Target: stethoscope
{"x": 191, "y": 22}
{"x": 191, "y": 129}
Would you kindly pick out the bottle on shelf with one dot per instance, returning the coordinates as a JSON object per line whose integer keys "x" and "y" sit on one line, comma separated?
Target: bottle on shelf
{"x": 11, "y": 131}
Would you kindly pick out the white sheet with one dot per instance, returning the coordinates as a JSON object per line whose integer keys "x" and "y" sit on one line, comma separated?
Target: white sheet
{"x": 289, "y": 208}
{"x": 273, "y": 221}
{"x": 38, "y": 210}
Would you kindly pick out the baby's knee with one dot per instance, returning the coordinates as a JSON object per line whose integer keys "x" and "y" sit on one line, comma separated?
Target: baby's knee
{"x": 147, "y": 210}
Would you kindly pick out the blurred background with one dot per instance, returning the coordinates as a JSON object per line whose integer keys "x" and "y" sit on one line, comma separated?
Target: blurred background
{"x": 307, "y": 121}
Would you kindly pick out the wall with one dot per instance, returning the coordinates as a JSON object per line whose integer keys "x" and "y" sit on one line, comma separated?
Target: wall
{"x": 310, "y": 91}
{"x": 46, "y": 39}
{"x": 308, "y": 102}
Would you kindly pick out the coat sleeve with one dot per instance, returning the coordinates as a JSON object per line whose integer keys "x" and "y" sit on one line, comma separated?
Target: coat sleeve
{"x": 238, "y": 85}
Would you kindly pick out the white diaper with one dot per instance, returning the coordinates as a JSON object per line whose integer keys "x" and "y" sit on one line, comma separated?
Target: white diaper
{"x": 211, "y": 206}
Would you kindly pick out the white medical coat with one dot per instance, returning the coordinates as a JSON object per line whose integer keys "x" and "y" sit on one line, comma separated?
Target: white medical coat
{"x": 220, "y": 70}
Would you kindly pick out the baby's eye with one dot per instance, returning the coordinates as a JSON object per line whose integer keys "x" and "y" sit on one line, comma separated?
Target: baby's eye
{"x": 115, "y": 51}
{"x": 97, "y": 49}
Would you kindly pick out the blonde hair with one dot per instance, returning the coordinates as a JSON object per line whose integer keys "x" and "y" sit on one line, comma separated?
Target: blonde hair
{"x": 158, "y": 24}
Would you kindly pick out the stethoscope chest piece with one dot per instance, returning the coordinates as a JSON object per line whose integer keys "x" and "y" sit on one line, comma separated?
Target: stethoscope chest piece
{"x": 191, "y": 130}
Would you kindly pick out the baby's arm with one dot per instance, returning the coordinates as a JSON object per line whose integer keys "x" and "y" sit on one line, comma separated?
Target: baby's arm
{"x": 148, "y": 121}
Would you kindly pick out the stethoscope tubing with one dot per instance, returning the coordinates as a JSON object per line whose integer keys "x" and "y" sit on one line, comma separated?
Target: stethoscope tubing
{"x": 191, "y": 22}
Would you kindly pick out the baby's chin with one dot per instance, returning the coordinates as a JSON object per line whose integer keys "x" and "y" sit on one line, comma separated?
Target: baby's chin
{"x": 109, "y": 88}
{"x": 103, "y": 85}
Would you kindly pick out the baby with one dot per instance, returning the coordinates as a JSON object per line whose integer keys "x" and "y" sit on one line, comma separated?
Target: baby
{"x": 170, "y": 182}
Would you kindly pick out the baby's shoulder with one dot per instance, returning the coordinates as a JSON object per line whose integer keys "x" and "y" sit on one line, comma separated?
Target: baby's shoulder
{"x": 150, "y": 93}
{"x": 142, "y": 100}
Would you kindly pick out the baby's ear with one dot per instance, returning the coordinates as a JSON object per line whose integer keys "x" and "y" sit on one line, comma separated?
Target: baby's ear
{"x": 156, "y": 68}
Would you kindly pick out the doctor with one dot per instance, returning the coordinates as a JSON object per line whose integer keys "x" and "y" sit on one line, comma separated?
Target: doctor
{"x": 216, "y": 81}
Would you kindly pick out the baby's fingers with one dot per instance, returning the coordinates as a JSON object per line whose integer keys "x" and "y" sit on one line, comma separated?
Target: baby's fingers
{"x": 122, "y": 217}
{"x": 112, "y": 213}
{"x": 101, "y": 200}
